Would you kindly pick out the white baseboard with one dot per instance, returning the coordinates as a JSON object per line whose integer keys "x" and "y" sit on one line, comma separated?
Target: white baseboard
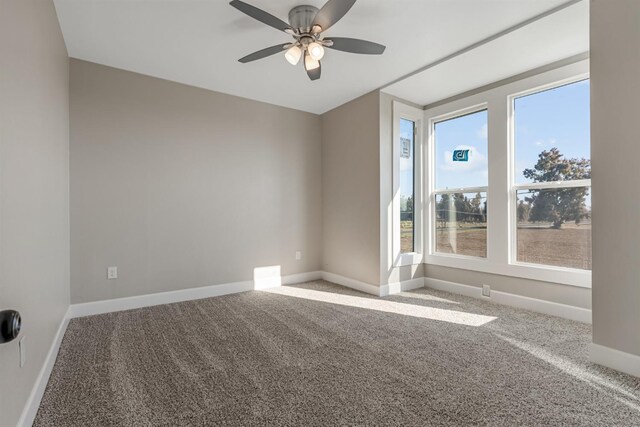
{"x": 456, "y": 288}
{"x": 33, "y": 402}
{"x": 541, "y": 306}
{"x": 368, "y": 288}
{"x": 351, "y": 283}
{"x": 263, "y": 281}
{"x": 403, "y": 286}
{"x": 615, "y": 359}
{"x": 301, "y": 277}
{"x": 409, "y": 285}
{"x": 129, "y": 303}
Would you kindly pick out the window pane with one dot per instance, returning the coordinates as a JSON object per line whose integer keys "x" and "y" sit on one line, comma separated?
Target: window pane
{"x": 461, "y": 224}
{"x": 407, "y": 145}
{"x": 456, "y": 136}
{"x": 554, "y": 227}
{"x": 552, "y": 134}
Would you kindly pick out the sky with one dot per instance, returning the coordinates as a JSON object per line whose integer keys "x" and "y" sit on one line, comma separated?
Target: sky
{"x": 467, "y": 132}
{"x": 554, "y": 118}
{"x": 557, "y": 117}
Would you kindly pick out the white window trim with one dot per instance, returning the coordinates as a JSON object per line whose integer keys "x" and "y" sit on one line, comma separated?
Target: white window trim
{"x": 501, "y": 192}
{"x": 553, "y": 184}
{"x": 403, "y": 111}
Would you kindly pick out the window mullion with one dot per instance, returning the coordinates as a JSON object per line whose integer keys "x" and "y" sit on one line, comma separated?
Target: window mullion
{"x": 498, "y": 233}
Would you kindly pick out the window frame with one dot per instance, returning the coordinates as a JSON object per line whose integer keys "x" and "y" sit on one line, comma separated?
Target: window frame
{"x": 434, "y": 192}
{"x": 406, "y": 112}
{"x": 501, "y": 219}
{"x": 514, "y": 187}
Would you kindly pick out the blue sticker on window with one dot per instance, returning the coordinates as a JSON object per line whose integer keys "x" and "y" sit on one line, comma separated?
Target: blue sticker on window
{"x": 460, "y": 155}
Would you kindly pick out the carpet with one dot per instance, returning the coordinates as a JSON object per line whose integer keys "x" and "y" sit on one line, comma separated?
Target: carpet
{"x": 317, "y": 354}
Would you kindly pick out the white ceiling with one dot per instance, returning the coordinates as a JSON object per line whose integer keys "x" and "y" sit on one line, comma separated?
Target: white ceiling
{"x": 198, "y": 42}
{"x": 553, "y": 38}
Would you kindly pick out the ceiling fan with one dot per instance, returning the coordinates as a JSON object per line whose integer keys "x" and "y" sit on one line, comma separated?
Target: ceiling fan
{"x": 306, "y": 25}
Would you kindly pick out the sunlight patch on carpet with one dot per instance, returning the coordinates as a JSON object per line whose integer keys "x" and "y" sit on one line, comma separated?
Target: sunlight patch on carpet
{"x": 431, "y": 313}
{"x": 577, "y": 371}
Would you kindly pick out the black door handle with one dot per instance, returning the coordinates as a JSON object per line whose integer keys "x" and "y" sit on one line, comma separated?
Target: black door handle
{"x": 10, "y": 324}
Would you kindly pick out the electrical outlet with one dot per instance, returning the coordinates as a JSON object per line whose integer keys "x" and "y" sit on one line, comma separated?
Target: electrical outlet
{"x": 23, "y": 351}
{"x": 112, "y": 273}
{"x": 298, "y": 255}
{"x": 486, "y": 291}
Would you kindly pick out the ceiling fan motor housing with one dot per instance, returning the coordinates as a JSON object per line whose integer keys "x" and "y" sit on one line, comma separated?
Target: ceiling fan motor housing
{"x": 301, "y": 17}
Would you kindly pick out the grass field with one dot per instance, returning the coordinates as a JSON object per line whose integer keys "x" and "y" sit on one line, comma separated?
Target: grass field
{"x": 406, "y": 236}
{"x": 465, "y": 240}
{"x": 568, "y": 247}
{"x": 537, "y": 243}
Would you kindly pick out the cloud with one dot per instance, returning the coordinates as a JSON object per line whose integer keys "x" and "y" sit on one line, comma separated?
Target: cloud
{"x": 552, "y": 142}
{"x": 477, "y": 161}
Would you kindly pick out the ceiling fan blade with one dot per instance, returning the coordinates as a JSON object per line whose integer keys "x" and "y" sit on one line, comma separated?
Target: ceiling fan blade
{"x": 260, "y": 15}
{"x": 263, "y": 53}
{"x": 315, "y": 73}
{"x": 364, "y": 47}
{"x": 332, "y": 12}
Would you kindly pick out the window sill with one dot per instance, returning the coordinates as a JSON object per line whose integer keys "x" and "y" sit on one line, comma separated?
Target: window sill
{"x": 541, "y": 273}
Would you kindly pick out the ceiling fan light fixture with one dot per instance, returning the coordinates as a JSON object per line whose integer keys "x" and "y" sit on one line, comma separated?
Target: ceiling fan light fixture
{"x": 310, "y": 63}
{"x": 316, "y": 51}
{"x": 293, "y": 55}
{"x": 306, "y": 26}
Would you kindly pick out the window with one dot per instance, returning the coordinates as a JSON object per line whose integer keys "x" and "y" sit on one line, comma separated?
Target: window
{"x": 407, "y": 193}
{"x": 460, "y": 188}
{"x": 407, "y": 186}
{"x": 553, "y": 177}
{"x": 508, "y": 175}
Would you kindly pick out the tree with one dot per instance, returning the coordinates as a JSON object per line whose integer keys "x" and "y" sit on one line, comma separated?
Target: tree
{"x": 460, "y": 205}
{"x": 406, "y": 208}
{"x": 442, "y": 208}
{"x": 476, "y": 206}
{"x": 558, "y": 205}
{"x": 524, "y": 209}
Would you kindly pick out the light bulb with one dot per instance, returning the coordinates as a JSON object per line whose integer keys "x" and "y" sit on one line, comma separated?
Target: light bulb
{"x": 293, "y": 55}
{"x": 316, "y": 51}
{"x": 310, "y": 63}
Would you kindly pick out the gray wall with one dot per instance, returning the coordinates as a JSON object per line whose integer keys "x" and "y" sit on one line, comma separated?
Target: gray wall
{"x": 181, "y": 187}
{"x": 350, "y": 189}
{"x": 615, "y": 149}
{"x": 34, "y": 189}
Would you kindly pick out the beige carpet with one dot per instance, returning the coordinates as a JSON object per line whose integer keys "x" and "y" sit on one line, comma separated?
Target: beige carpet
{"x": 319, "y": 354}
